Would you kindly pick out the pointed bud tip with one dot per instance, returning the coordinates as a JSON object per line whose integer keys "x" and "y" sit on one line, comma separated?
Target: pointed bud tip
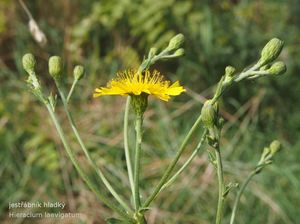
{"x": 271, "y": 51}
{"x": 176, "y": 42}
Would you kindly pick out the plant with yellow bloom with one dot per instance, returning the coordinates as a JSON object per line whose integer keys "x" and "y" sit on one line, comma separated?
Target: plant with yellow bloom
{"x": 132, "y": 82}
{"x": 137, "y": 85}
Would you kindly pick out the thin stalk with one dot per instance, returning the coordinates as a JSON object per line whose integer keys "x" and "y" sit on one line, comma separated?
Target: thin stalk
{"x": 93, "y": 164}
{"x": 137, "y": 161}
{"x": 26, "y": 9}
{"x": 71, "y": 90}
{"x": 243, "y": 75}
{"x": 240, "y": 192}
{"x": 172, "y": 165}
{"x": 221, "y": 186}
{"x": 71, "y": 155}
{"x": 185, "y": 165}
{"x": 126, "y": 147}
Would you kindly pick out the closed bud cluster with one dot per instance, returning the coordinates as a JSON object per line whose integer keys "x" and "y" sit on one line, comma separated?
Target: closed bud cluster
{"x": 271, "y": 51}
{"x": 278, "y": 68}
{"x": 176, "y": 42}
{"x": 78, "y": 72}
{"x": 34, "y": 85}
{"x": 29, "y": 63}
{"x": 55, "y": 67}
{"x": 267, "y": 155}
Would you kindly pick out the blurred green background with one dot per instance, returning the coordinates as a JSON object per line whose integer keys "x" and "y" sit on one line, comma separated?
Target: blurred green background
{"x": 109, "y": 35}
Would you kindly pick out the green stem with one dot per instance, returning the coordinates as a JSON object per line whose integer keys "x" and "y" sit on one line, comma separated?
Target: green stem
{"x": 243, "y": 75}
{"x": 240, "y": 192}
{"x": 93, "y": 164}
{"x": 171, "y": 166}
{"x": 71, "y": 155}
{"x": 137, "y": 161}
{"x": 71, "y": 90}
{"x": 185, "y": 165}
{"x": 221, "y": 185}
{"x": 126, "y": 147}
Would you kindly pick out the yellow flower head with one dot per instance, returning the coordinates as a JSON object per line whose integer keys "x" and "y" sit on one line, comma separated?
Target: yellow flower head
{"x": 131, "y": 82}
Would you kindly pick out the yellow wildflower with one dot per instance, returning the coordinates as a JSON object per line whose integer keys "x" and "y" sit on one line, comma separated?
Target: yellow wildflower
{"x": 136, "y": 83}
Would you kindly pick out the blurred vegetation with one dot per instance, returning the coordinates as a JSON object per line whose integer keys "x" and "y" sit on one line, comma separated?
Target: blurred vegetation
{"x": 108, "y": 35}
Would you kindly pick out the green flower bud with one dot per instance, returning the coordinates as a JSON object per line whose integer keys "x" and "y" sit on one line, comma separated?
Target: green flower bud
{"x": 29, "y": 63}
{"x": 229, "y": 71}
{"x": 55, "y": 67}
{"x": 278, "y": 68}
{"x": 271, "y": 51}
{"x": 179, "y": 52}
{"x": 275, "y": 146}
{"x": 78, "y": 72}
{"x": 209, "y": 114}
{"x": 176, "y": 42}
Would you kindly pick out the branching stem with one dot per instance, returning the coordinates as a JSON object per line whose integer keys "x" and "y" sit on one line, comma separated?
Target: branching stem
{"x": 187, "y": 162}
{"x": 171, "y": 166}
